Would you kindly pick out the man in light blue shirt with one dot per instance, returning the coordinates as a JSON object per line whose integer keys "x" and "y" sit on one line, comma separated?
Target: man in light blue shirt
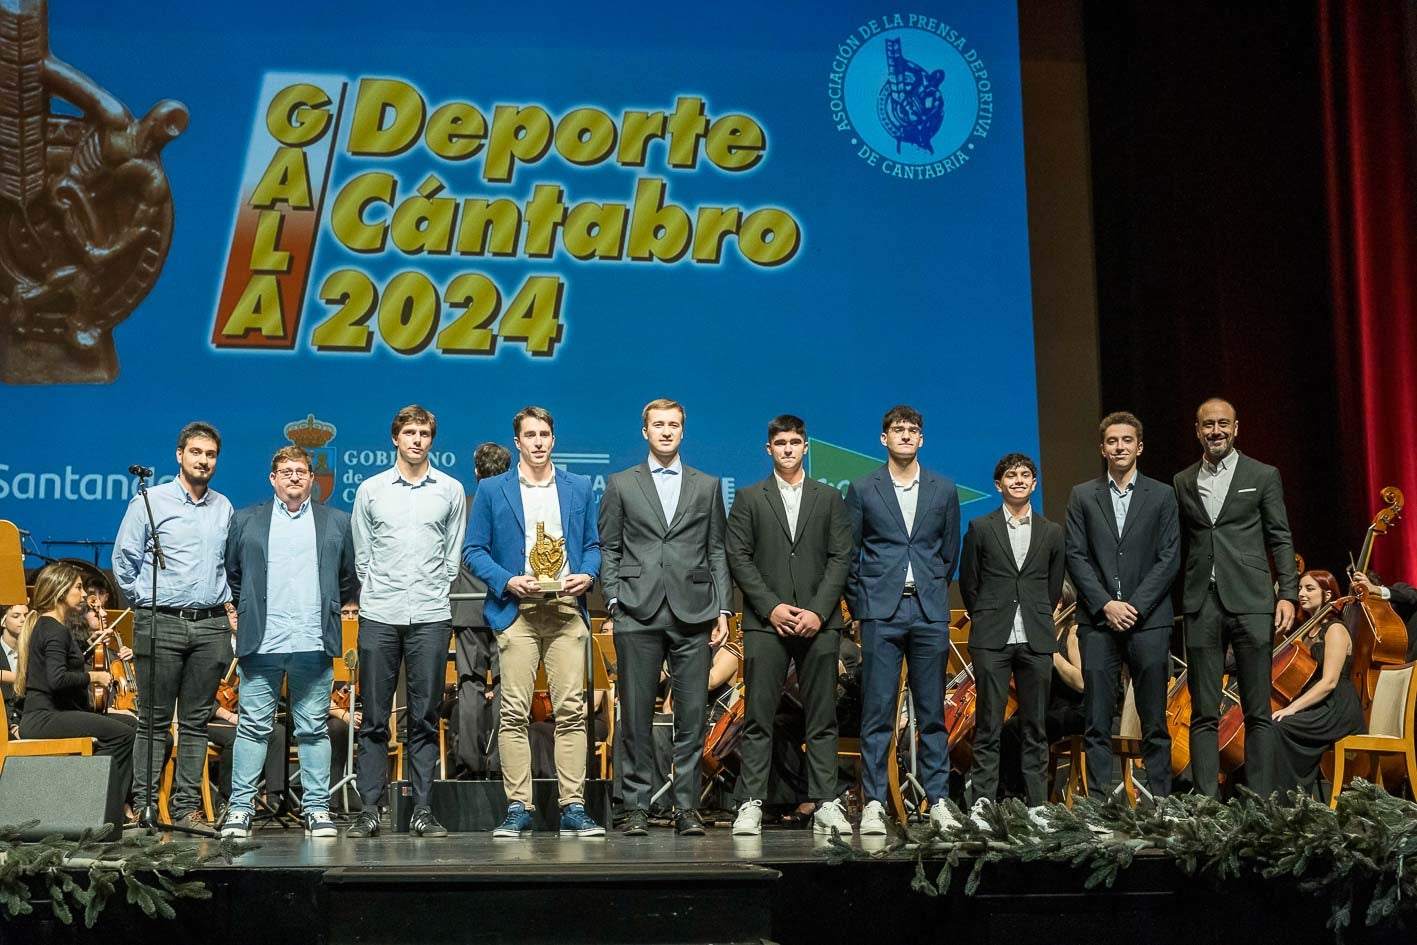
{"x": 290, "y": 563}
{"x": 408, "y": 532}
{"x": 182, "y": 654}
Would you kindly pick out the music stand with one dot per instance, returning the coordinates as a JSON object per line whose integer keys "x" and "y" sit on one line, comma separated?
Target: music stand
{"x": 346, "y": 668}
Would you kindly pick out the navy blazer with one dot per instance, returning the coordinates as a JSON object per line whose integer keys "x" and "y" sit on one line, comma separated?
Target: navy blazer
{"x": 247, "y": 545}
{"x": 1137, "y": 566}
{"x": 884, "y": 547}
{"x": 495, "y": 550}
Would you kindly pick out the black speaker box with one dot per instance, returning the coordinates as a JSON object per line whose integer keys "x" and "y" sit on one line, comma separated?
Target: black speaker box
{"x": 67, "y": 794}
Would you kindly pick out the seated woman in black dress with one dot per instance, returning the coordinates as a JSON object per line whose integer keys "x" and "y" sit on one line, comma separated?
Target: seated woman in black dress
{"x": 54, "y": 684}
{"x": 1327, "y": 709}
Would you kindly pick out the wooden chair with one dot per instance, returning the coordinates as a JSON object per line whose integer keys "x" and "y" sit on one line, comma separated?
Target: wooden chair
{"x": 1127, "y": 743}
{"x": 30, "y": 747}
{"x": 1394, "y": 698}
{"x": 169, "y": 767}
{"x": 1068, "y": 749}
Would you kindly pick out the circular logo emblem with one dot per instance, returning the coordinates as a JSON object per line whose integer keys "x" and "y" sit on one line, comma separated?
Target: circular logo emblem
{"x": 912, "y": 95}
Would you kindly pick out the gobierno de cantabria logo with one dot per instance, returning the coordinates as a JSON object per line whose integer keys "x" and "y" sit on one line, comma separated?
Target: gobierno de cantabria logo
{"x": 912, "y": 95}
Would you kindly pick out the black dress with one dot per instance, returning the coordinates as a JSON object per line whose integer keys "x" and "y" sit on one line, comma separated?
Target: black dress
{"x": 56, "y": 704}
{"x": 1305, "y": 736}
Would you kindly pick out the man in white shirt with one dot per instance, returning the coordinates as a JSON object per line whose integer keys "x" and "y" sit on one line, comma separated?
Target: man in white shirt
{"x": 408, "y": 530}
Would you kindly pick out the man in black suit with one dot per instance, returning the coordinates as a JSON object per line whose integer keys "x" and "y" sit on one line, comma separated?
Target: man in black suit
{"x": 1124, "y": 551}
{"x": 789, "y": 549}
{"x": 1232, "y": 513}
{"x": 668, "y": 591}
{"x": 1011, "y": 577}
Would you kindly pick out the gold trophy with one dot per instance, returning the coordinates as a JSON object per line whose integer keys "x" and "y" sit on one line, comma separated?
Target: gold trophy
{"x": 547, "y": 557}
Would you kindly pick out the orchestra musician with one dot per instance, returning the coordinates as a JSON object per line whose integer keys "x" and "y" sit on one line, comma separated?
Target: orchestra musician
{"x": 408, "y": 524}
{"x": 1233, "y": 518}
{"x": 905, "y": 530}
{"x": 789, "y": 549}
{"x": 54, "y": 683}
{"x": 1327, "y": 708}
{"x": 12, "y": 621}
{"x": 290, "y": 565}
{"x": 1011, "y": 578}
{"x": 669, "y": 594}
{"x": 1124, "y": 551}
{"x": 532, "y": 524}
{"x": 181, "y": 654}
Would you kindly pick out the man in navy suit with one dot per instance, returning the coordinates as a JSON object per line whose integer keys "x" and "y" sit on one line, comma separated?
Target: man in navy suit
{"x": 518, "y": 521}
{"x": 905, "y": 522}
{"x": 290, "y": 564}
{"x": 1124, "y": 552}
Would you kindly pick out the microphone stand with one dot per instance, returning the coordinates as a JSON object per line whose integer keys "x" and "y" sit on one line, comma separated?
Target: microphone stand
{"x": 149, "y": 816}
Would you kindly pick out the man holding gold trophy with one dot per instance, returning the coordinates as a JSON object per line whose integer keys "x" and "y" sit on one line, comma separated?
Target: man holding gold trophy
{"x": 532, "y": 539}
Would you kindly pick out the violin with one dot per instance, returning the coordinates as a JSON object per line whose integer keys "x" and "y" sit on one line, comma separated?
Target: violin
{"x": 226, "y": 694}
{"x": 725, "y": 738}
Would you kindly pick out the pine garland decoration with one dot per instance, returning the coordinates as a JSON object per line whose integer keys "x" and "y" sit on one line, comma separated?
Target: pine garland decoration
{"x": 83, "y": 875}
{"x": 1366, "y": 847}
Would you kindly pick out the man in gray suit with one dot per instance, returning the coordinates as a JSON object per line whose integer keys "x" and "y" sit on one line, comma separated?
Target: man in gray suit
{"x": 1232, "y": 513}
{"x": 668, "y": 592}
{"x": 290, "y": 564}
{"x": 789, "y": 548}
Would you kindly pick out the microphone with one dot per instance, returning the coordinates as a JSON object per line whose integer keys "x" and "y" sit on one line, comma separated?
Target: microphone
{"x": 144, "y": 472}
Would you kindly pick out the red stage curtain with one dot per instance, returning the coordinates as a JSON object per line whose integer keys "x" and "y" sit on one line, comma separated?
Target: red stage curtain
{"x": 1370, "y": 99}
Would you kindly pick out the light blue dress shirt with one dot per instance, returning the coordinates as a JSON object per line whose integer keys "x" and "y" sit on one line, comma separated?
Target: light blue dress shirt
{"x": 667, "y": 480}
{"x": 1121, "y": 500}
{"x": 193, "y": 537}
{"x": 292, "y": 583}
{"x": 407, "y": 544}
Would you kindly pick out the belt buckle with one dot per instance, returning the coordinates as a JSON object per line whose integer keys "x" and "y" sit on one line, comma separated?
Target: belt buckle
{"x": 183, "y": 612}
{"x": 908, "y": 591}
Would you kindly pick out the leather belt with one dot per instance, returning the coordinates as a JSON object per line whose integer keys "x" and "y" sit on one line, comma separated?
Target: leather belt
{"x": 908, "y": 591}
{"x": 193, "y": 613}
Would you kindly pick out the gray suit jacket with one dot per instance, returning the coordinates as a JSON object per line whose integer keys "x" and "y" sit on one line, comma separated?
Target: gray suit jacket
{"x": 646, "y": 560}
{"x": 1138, "y": 566}
{"x": 247, "y": 547}
{"x": 772, "y": 567}
{"x": 994, "y": 588}
{"x": 1252, "y": 521}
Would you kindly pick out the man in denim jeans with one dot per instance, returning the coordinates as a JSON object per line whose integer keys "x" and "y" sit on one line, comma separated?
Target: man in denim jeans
{"x": 192, "y": 631}
{"x": 408, "y": 530}
{"x": 290, "y": 564}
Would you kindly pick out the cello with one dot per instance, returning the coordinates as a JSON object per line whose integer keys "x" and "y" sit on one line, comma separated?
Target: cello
{"x": 1380, "y": 639}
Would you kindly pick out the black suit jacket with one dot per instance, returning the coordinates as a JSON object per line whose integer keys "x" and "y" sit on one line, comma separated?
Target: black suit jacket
{"x": 1139, "y": 565}
{"x": 7, "y": 691}
{"x": 772, "y": 567}
{"x": 994, "y": 588}
{"x": 645, "y": 560}
{"x": 1252, "y": 521}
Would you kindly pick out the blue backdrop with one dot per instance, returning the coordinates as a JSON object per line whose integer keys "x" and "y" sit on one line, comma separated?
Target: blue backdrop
{"x": 887, "y": 146}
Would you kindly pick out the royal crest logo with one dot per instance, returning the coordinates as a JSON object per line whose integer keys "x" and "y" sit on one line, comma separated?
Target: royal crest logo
{"x": 85, "y": 209}
{"x": 913, "y": 96}
{"x": 314, "y": 437}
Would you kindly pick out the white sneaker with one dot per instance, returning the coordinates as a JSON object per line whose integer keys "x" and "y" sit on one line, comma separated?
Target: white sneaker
{"x": 942, "y": 818}
{"x": 749, "y": 822}
{"x": 831, "y": 815}
{"x": 873, "y": 820}
{"x": 1038, "y": 816}
{"x": 977, "y": 813}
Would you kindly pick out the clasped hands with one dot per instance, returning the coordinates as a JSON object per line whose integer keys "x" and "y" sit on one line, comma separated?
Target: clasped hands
{"x": 791, "y": 621}
{"x": 524, "y": 585}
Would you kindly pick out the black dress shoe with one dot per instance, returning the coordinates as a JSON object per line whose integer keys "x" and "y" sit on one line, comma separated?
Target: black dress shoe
{"x": 689, "y": 824}
{"x": 636, "y": 824}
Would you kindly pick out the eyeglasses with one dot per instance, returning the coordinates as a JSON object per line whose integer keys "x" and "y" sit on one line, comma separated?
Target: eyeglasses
{"x": 293, "y": 475}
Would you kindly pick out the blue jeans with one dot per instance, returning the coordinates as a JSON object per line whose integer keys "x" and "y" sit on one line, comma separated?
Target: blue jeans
{"x": 311, "y": 677}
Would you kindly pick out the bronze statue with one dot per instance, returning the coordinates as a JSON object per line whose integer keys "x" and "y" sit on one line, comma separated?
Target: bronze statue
{"x": 85, "y": 209}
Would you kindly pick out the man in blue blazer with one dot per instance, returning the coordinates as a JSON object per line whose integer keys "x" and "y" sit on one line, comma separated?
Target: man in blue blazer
{"x": 1124, "y": 551}
{"x": 529, "y": 519}
{"x": 905, "y": 521}
{"x": 290, "y": 564}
